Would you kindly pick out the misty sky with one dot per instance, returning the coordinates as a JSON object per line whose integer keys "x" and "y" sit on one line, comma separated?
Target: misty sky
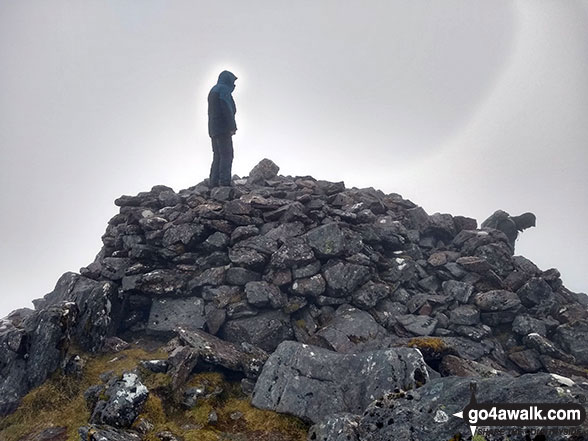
{"x": 463, "y": 107}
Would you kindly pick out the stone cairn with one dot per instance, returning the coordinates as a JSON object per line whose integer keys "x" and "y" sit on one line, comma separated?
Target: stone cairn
{"x": 368, "y": 308}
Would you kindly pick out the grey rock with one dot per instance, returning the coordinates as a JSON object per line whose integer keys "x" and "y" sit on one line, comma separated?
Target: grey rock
{"x": 123, "y": 402}
{"x": 313, "y": 383}
{"x": 105, "y": 433}
{"x": 307, "y": 270}
{"x": 285, "y": 231}
{"x": 160, "y": 282}
{"x": 266, "y": 330}
{"x": 261, "y": 294}
{"x": 387, "y": 311}
{"x": 368, "y": 295}
{"x": 211, "y": 276}
{"x": 543, "y": 346}
{"x": 344, "y": 278}
{"x": 215, "y": 318}
{"x": 168, "y": 314}
{"x": 313, "y": 286}
{"x": 327, "y": 240}
{"x": 352, "y": 330}
{"x": 294, "y": 252}
{"x": 247, "y": 359}
{"x": 266, "y": 169}
{"x": 524, "y": 324}
{"x": 156, "y": 366}
{"x": 527, "y": 360}
{"x": 460, "y": 291}
{"x": 573, "y": 338}
{"x": 534, "y": 292}
{"x": 223, "y": 295}
{"x": 241, "y": 276}
{"x": 427, "y": 413}
{"x": 465, "y": 315}
{"x": 337, "y": 427}
{"x": 497, "y": 300}
{"x": 182, "y": 361}
{"x": 455, "y": 366}
{"x": 418, "y": 324}
{"x": 187, "y": 235}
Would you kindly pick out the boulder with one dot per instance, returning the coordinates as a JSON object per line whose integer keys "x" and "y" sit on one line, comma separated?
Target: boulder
{"x": 122, "y": 403}
{"x": 246, "y": 359}
{"x": 266, "y": 330}
{"x": 327, "y": 240}
{"x": 266, "y": 169}
{"x": 427, "y": 413}
{"x": 313, "y": 383}
{"x": 351, "y": 330}
{"x": 167, "y": 314}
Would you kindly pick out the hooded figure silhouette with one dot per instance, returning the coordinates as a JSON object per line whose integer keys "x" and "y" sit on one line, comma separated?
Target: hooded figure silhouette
{"x": 221, "y": 128}
{"x": 510, "y": 225}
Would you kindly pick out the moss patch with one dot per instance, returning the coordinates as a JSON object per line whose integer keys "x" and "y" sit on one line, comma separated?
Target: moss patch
{"x": 60, "y": 400}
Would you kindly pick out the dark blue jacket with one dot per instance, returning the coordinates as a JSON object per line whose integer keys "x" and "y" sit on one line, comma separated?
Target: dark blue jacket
{"x": 221, "y": 106}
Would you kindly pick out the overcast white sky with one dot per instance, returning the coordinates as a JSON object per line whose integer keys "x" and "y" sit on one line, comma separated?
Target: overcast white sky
{"x": 461, "y": 106}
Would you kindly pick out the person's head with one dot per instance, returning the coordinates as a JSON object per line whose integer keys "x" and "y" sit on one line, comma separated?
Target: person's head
{"x": 524, "y": 221}
{"x": 227, "y": 78}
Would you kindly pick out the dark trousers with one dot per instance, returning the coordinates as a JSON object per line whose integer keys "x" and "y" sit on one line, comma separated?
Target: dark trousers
{"x": 222, "y": 160}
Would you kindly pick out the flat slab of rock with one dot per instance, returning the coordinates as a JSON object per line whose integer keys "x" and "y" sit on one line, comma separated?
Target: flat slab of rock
{"x": 266, "y": 330}
{"x": 168, "y": 314}
{"x": 219, "y": 352}
{"x": 312, "y": 383}
{"x": 352, "y": 330}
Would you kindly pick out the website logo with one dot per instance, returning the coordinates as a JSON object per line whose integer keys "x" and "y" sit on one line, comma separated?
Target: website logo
{"x": 520, "y": 414}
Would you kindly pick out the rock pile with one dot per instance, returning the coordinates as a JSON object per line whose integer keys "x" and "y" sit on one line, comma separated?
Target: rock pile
{"x": 367, "y": 283}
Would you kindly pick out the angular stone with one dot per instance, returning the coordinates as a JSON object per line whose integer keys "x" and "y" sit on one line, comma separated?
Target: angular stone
{"x": 542, "y": 345}
{"x": 248, "y": 360}
{"x": 455, "y": 366}
{"x": 307, "y": 270}
{"x": 427, "y": 413}
{"x": 497, "y": 300}
{"x": 294, "y": 252}
{"x": 168, "y": 314}
{"x": 182, "y": 361}
{"x": 263, "y": 294}
{"x": 352, "y": 330}
{"x": 241, "y": 276}
{"x": 337, "y": 427}
{"x": 313, "y": 286}
{"x": 460, "y": 291}
{"x": 418, "y": 324}
{"x": 212, "y": 276}
{"x": 527, "y": 361}
{"x": 313, "y": 383}
{"x": 573, "y": 338}
{"x": 122, "y": 403}
{"x": 534, "y": 292}
{"x": 465, "y": 315}
{"x": 525, "y": 324}
{"x": 368, "y": 295}
{"x": 344, "y": 278}
{"x": 266, "y": 169}
{"x": 105, "y": 433}
{"x": 327, "y": 240}
{"x": 266, "y": 330}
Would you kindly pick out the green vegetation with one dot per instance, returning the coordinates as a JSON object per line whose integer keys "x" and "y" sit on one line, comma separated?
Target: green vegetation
{"x": 60, "y": 402}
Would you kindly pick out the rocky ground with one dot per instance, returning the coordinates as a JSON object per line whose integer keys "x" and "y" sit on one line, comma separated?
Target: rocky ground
{"x": 338, "y": 314}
